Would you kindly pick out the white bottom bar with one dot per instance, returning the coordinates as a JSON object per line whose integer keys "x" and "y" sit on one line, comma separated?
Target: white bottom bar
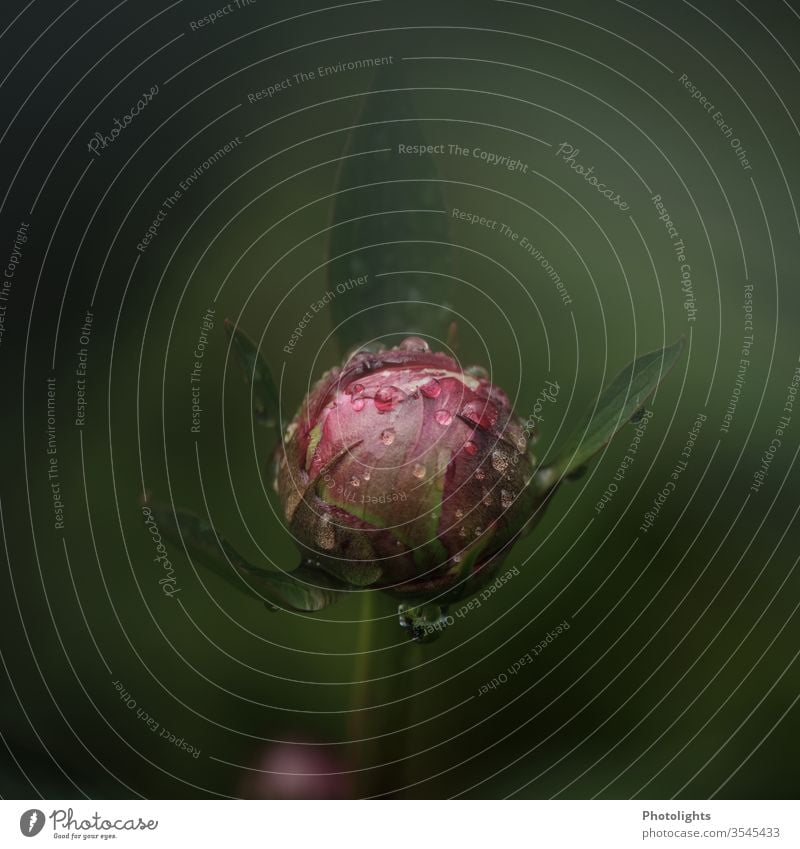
{"x": 402, "y": 824}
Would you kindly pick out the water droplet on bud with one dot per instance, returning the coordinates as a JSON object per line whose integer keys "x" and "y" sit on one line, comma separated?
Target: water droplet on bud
{"x": 354, "y": 481}
{"x": 499, "y": 461}
{"x": 419, "y": 471}
{"x": 387, "y": 398}
{"x": 462, "y": 532}
{"x": 387, "y": 436}
{"x": 367, "y": 474}
{"x": 477, "y": 371}
{"x": 414, "y": 344}
{"x": 459, "y": 514}
{"x": 481, "y": 413}
{"x": 431, "y": 389}
{"x": 443, "y": 417}
{"x": 487, "y": 498}
{"x": 506, "y": 498}
{"x": 479, "y": 473}
{"x": 470, "y": 447}
{"x": 357, "y": 404}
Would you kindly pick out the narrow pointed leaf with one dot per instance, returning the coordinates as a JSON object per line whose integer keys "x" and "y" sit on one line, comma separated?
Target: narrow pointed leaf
{"x": 390, "y": 216}
{"x": 256, "y": 373}
{"x": 304, "y": 589}
{"x": 621, "y": 400}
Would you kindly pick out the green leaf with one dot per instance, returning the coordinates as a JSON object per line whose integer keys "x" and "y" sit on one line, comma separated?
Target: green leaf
{"x": 621, "y": 400}
{"x": 256, "y": 373}
{"x": 390, "y": 216}
{"x": 305, "y": 589}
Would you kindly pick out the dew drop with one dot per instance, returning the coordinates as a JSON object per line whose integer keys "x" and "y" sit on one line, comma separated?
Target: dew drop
{"x": 477, "y": 371}
{"x": 443, "y": 417}
{"x": 419, "y": 471}
{"x": 487, "y": 498}
{"x": 367, "y": 474}
{"x": 387, "y": 398}
{"x": 462, "y": 532}
{"x": 357, "y": 404}
{"x": 499, "y": 461}
{"x": 478, "y": 531}
{"x": 480, "y": 413}
{"x": 387, "y": 436}
{"x": 459, "y": 514}
{"x": 431, "y": 389}
{"x": 470, "y": 447}
{"x": 457, "y": 558}
{"x": 506, "y": 498}
{"x": 354, "y": 481}
{"x": 415, "y": 344}
{"x": 326, "y": 536}
{"x": 479, "y": 473}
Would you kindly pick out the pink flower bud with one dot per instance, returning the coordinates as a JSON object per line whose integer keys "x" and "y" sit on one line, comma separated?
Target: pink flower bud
{"x": 402, "y": 471}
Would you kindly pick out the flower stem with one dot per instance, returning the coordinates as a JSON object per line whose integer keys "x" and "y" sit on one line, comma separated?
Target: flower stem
{"x": 414, "y": 657}
{"x": 359, "y": 718}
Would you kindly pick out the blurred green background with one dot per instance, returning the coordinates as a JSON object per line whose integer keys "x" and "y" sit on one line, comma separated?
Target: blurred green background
{"x": 678, "y": 673}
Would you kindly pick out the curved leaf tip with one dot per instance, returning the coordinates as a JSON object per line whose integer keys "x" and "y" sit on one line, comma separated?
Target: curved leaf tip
{"x": 307, "y": 588}
{"x": 257, "y": 375}
{"x": 620, "y": 402}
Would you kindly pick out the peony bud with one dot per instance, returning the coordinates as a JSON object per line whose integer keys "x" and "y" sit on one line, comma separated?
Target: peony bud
{"x": 402, "y": 471}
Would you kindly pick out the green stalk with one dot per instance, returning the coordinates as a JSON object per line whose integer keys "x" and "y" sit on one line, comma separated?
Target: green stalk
{"x": 359, "y": 725}
{"x": 414, "y": 656}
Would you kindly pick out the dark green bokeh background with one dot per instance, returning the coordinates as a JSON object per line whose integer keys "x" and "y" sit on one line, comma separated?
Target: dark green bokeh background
{"x": 650, "y": 691}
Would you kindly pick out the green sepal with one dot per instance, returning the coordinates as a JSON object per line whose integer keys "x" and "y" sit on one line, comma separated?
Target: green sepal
{"x": 305, "y": 589}
{"x": 256, "y": 373}
{"x": 620, "y": 401}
